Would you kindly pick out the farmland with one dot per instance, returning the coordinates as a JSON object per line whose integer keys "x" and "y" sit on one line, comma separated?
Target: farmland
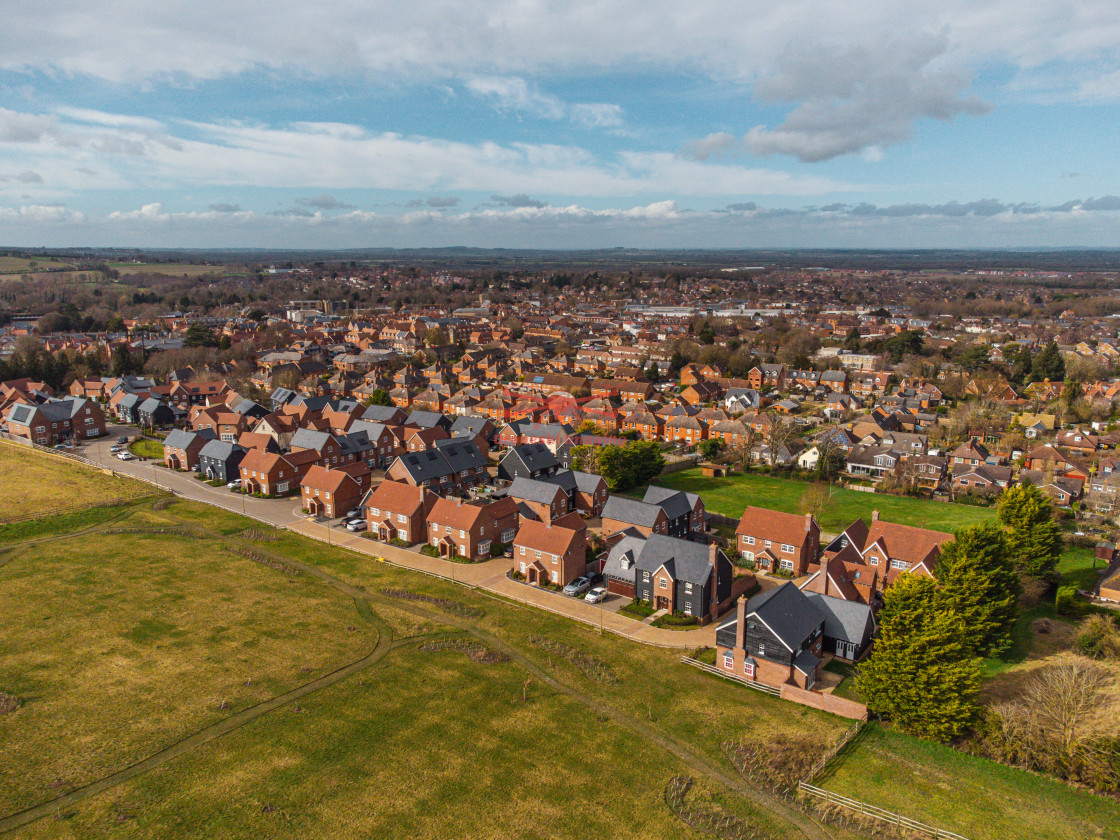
{"x": 39, "y": 483}
{"x": 729, "y": 496}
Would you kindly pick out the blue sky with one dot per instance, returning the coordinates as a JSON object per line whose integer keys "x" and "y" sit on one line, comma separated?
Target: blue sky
{"x": 548, "y": 124}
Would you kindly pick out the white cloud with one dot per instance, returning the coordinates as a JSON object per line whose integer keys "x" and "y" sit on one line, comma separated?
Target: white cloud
{"x": 332, "y": 156}
{"x": 857, "y": 74}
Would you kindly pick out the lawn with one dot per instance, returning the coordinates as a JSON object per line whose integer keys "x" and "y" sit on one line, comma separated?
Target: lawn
{"x": 729, "y": 496}
{"x": 977, "y": 798}
{"x": 145, "y": 448}
{"x": 169, "y": 269}
{"x": 36, "y": 483}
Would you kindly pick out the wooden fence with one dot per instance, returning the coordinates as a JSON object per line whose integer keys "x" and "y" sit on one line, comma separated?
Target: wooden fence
{"x": 712, "y": 669}
{"x": 881, "y": 814}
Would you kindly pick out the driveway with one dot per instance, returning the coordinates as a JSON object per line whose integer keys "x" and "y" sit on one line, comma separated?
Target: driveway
{"x": 489, "y": 576}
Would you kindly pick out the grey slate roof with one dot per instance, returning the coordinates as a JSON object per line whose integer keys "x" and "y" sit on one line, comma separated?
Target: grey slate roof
{"x": 21, "y": 413}
{"x": 806, "y": 662}
{"x": 469, "y": 424}
{"x": 543, "y": 492}
{"x": 844, "y": 620}
{"x": 461, "y": 454}
{"x": 622, "y": 560}
{"x": 675, "y": 503}
{"x": 424, "y": 466}
{"x": 182, "y": 438}
{"x": 380, "y": 413}
{"x": 220, "y": 450}
{"x": 623, "y": 509}
{"x": 309, "y": 439}
{"x": 788, "y": 612}
{"x": 684, "y": 560}
{"x": 426, "y": 419}
{"x": 535, "y": 456}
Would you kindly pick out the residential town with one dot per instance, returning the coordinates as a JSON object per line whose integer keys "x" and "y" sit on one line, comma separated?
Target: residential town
{"x": 549, "y": 436}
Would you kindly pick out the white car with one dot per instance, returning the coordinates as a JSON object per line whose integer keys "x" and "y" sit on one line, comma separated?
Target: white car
{"x": 356, "y": 525}
{"x": 115, "y": 448}
{"x": 125, "y": 456}
{"x": 596, "y": 595}
{"x": 233, "y": 485}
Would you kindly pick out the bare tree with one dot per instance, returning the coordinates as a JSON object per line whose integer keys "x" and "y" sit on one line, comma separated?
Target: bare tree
{"x": 817, "y": 500}
{"x": 1064, "y": 696}
{"x": 777, "y": 436}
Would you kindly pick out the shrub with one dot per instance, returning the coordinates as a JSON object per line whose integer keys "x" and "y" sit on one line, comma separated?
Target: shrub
{"x": 1066, "y": 602}
{"x": 399, "y": 543}
{"x": 1099, "y": 637}
{"x": 430, "y": 551}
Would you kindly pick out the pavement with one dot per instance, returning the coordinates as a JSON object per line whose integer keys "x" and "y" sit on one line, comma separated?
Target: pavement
{"x": 489, "y": 576}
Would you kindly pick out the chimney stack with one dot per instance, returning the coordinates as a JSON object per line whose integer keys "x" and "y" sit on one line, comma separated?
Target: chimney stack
{"x": 875, "y": 516}
{"x": 808, "y": 522}
{"x": 824, "y": 572}
{"x": 713, "y": 560}
{"x": 740, "y": 621}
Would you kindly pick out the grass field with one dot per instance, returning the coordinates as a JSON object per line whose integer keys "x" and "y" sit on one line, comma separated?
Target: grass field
{"x": 975, "y": 797}
{"x": 17, "y": 265}
{"x": 169, "y": 269}
{"x": 730, "y": 496}
{"x": 120, "y": 644}
{"x": 50, "y": 483}
{"x": 128, "y": 630}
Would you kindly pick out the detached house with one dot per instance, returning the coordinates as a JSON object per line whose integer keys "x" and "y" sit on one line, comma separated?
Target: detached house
{"x": 53, "y": 421}
{"x": 182, "y": 449}
{"x": 776, "y": 541}
{"x": 331, "y": 493}
{"x": 684, "y": 577}
{"x": 685, "y": 512}
{"x": 586, "y": 493}
{"x": 220, "y": 460}
{"x": 268, "y": 473}
{"x": 529, "y": 460}
{"x": 622, "y": 514}
{"x": 539, "y": 499}
{"x": 555, "y": 552}
{"x": 776, "y": 638}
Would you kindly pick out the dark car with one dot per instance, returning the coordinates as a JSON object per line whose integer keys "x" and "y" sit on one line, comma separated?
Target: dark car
{"x": 594, "y": 578}
{"x": 122, "y": 439}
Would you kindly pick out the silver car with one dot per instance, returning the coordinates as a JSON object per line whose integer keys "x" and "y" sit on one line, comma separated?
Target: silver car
{"x": 596, "y": 595}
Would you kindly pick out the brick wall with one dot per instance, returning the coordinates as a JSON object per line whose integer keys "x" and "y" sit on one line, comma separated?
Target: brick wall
{"x": 825, "y": 702}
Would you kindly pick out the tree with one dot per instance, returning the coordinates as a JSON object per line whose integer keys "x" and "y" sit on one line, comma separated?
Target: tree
{"x": 710, "y": 447}
{"x": 830, "y": 457}
{"x": 199, "y": 336}
{"x": 1048, "y": 364}
{"x": 379, "y": 397}
{"x": 817, "y": 500}
{"x": 586, "y": 459}
{"x": 777, "y": 436}
{"x": 921, "y": 674}
{"x": 653, "y": 373}
{"x": 631, "y": 465}
{"x": 435, "y": 337}
{"x": 852, "y": 340}
{"x": 1033, "y": 539}
{"x": 979, "y": 583}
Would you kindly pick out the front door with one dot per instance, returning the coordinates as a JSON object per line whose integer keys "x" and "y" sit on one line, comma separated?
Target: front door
{"x": 662, "y": 603}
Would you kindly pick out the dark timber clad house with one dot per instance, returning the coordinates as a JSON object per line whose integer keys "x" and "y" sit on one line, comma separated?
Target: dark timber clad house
{"x": 685, "y": 511}
{"x": 220, "y": 460}
{"x": 683, "y": 577}
{"x": 776, "y": 638}
{"x": 529, "y": 460}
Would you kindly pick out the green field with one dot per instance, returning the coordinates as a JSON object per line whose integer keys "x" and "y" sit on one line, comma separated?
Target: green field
{"x": 730, "y": 496}
{"x": 50, "y": 483}
{"x": 145, "y": 448}
{"x": 977, "y": 798}
{"x": 168, "y": 269}
{"x": 187, "y": 672}
{"x": 127, "y": 635}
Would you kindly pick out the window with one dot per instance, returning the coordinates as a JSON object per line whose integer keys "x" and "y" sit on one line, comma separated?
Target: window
{"x": 523, "y": 567}
{"x": 402, "y": 519}
{"x": 787, "y": 565}
{"x": 687, "y": 608}
{"x": 748, "y": 556}
{"x": 787, "y": 549}
{"x": 688, "y": 588}
{"x": 728, "y": 660}
{"x": 768, "y": 543}
{"x": 463, "y": 534}
{"x": 402, "y": 535}
{"x": 874, "y": 561}
{"x": 748, "y": 668}
{"x": 748, "y": 540}
{"x": 899, "y": 564}
{"x": 762, "y": 648}
{"x": 664, "y": 584}
{"x": 555, "y": 577}
{"x": 522, "y": 550}
{"x": 375, "y": 511}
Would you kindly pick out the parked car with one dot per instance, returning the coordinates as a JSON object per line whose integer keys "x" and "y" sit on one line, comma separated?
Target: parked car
{"x": 115, "y": 448}
{"x": 64, "y": 446}
{"x": 355, "y": 513}
{"x": 577, "y": 586}
{"x": 122, "y": 439}
{"x": 125, "y": 456}
{"x": 594, "y": 578}
{"x": 233, "y": 485}
{"x": 596, "y": 595}
{"x": 356, "y": 525}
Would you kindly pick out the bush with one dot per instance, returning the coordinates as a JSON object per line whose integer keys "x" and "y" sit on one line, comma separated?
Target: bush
{"x": 430, "y": 551}
{"x": 1066, "y": 601}
{"x": 399, "y": 543}
{"x": 676, "y": 620}
{"x": 637, "y": 609}
{"x": 1099, "y": 637}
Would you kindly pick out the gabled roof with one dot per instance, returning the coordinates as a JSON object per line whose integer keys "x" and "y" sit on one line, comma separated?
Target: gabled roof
{"x": 675, "y": 503}
{"x": 848, "y": 621}
{"x": 683, "y": 560}
{"x": 776, "y": 526}
{"x": 632, "y": 511}
{"x": 220, "y": 450}
{"x": 529, "y": 490}
{"x": 541, "y": 536}
{"x": 535, "y": 456}
{"x": 181, "y": 438}
{"x": 787, "y": 612}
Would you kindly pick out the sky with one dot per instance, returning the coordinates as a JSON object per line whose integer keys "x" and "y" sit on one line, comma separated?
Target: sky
{"x": 529, "y": 123}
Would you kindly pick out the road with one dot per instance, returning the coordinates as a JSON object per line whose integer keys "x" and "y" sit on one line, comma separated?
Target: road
{"x": 489, "y": 576}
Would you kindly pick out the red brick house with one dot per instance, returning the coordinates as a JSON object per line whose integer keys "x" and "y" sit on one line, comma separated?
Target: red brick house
{"x": 555, "y": 552}
{"x": 546, "y": 500}
{"x": 469, "y": 530}
{"x": 330, "y": 493}
{"x": 397, "y": 510}
{"x": 776, "y": 541}
{"x": 54, "y": 421}
{"x": 268, "y": 473}
{"x": 181, "y": 448}
{"x": 621, "y": 513}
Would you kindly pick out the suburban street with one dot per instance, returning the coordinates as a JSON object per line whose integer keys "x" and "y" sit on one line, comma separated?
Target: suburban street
{"x": 489, "y": 576}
